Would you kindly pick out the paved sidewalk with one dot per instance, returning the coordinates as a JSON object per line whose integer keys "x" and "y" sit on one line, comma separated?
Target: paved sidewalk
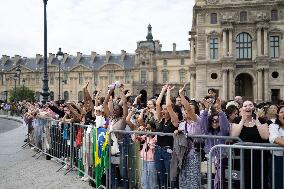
{"x": 18, "y": 169}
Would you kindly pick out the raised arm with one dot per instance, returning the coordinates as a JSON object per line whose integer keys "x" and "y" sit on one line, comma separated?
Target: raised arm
{"x": 223, "y": 120}
{"x": 124, "y": 103}
{"x": 128, "y": 119}
{"x": 173, "y": 115}
{"x": 237, "y": 128}
{"x": 186, "y": 105}
{"x": 106, "y": 103}
{"x": 158, "y": 102}
{"x": 262, "y": 129}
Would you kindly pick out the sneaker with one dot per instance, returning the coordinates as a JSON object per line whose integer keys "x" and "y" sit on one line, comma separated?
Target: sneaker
{"x": 66, "y": 166}
{"x": 26, "y": 140}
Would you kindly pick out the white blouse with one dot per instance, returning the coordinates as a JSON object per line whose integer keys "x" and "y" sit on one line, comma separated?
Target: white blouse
{"x": 276, "y": 131}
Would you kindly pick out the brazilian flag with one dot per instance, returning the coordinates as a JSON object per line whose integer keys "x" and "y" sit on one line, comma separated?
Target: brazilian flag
{"x": 100, "y": 153}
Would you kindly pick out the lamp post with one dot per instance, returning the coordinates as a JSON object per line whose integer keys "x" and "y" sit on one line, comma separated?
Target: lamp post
{"x": 18, "y": 72}
{"x": 59, "y": 56}
{"x": 15, "y": 80}
{"x": 63, "y": 83}
{"x": 45, "y": 88}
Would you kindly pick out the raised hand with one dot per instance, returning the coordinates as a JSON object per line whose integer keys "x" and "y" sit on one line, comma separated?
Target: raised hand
{"x": 218, "y": 104}
{"x": 205, "y": 103}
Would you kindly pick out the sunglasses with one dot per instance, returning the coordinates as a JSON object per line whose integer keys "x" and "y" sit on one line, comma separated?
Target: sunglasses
{"x": 215, "y": 119}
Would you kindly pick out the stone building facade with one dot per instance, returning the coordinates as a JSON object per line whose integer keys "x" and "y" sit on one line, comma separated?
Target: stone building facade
{"x": 238, "y": 48}
{"x": 148, "y": 69}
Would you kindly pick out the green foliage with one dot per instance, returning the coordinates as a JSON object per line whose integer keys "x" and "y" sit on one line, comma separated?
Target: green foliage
{"x": 22, "y": 93}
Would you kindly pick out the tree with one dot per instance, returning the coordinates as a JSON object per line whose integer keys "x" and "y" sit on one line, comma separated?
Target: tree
{"x": 22, "y": 93}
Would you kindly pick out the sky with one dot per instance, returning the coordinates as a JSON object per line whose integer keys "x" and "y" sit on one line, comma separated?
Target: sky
{"x": 92, "y": 25}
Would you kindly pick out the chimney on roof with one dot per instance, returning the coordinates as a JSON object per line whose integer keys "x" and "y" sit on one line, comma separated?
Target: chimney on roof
{"x": 65, "y": 57}
{"x": 108, "y": 54}
{"x": 38, "y": 58}
{"x": 78, "y": 58}
{"x": 51, "y": 58}
{"x": 122, "y": 56}
{"x": 17, "y": 59}
{"x": 5, "y": 58}
{"x": 174, "y": 48}
{"x": 93, "y": 56}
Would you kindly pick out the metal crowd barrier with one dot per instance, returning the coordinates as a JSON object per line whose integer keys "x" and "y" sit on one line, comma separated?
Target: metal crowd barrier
{"x": 127, "y": 169}
{"x": 59, "y": 140}
{"x": 256, "y": 169}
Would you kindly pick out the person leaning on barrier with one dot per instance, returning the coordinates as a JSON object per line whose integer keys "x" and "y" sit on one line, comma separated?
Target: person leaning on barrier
{"x": 250, "y": 129}
{"x": 276, "y": 136}
{"x": 190, "y": 173}
{"x": 168, "y": 123}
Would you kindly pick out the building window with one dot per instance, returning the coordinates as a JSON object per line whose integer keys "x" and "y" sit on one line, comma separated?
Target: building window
{"x": 65, "y": 77}
{"x": 95, "y": 78}
{"x": 243, "y": 46}
{"x": 182, "y": 76}
{"x": 80, "y": 96}
{"x": 213, "y": 18}
{"x": 81, "y": 78}
{"x": 274, "y": 15}
{"x": 213, "y": 48}
{"x": 37, "y": 78}
{"x": 243, "y": 16}
{"x": 66, "y": 95}
{"x": 165, "y": 76}
{"x": 110, "y": 76}
{"x": 143, "y": 76}
{"x": 274, "y": 46}
{"x": 127, "y": 77}
{"x": 182, "y": 61}
{"x": 51, "y": 78}
{"x": 165, "y": 63}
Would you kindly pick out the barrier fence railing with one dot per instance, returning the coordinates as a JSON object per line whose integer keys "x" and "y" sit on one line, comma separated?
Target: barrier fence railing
{"x": 112, "y": 159}
{"x": 256, "y": 168}
{"x": 133, "y": 171}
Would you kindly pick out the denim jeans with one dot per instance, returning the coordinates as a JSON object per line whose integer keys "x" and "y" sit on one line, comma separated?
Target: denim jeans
{"x": 163, "y": 158}
{"x": 148, "y": 175}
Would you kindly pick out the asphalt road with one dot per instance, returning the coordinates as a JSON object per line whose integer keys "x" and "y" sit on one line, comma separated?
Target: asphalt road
{"x": 7, "y": 125}
{"x": 18, "y": 169}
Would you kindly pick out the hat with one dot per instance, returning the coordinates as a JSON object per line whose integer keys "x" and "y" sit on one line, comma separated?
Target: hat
{"x": 99, "y": 108}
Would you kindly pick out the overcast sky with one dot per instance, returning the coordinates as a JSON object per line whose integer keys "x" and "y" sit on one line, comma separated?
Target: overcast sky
{"x": 92, "y": 25}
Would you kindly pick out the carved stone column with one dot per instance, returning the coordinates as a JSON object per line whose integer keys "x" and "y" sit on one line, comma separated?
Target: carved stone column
{"x": 259, "y": 85}
{"x": 225, "y": 43}
{"x": 225, "y": 84}
{"x": 266, "y": 90}
{"x": 192, "y": 85}
{"x": 230, "y": 42}
{"x": 231, "y": 84}
{"x": 265, "y": 42}
{"x": 259, "y": 42}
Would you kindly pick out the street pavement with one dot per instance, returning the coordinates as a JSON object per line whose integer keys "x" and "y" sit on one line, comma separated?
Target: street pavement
{"x": 18, "y": 169}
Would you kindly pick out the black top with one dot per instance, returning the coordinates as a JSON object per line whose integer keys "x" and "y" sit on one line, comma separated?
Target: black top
{"x": 89, "y": 119}
{"x": 165, "y": 127}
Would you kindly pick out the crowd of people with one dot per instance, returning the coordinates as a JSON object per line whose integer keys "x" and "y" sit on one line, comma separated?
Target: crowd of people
{"x": 164, "y": 161}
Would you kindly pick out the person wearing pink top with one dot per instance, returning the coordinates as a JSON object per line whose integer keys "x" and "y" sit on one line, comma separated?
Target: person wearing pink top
{"x": 148, "y": 170}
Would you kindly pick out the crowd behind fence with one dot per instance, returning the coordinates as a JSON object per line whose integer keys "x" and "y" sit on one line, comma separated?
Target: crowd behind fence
{"x": 118, "y": 141}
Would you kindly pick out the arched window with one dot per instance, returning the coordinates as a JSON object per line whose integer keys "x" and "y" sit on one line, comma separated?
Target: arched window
{"x": 80, "y": 96}
{"x": 51, "y": 95}
{"x": 243, "y": 46}
{"x": 66, "y": 95}
{"x": 243, "y": 16}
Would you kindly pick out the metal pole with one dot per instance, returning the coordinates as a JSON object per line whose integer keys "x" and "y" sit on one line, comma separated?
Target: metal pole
{"x": 59, "y": 81}
{"x": 45, "y": 88}
{"x": 15, "y": 89}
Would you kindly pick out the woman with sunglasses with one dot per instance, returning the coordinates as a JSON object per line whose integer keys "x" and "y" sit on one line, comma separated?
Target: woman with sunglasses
{"x": 215, "y": 124}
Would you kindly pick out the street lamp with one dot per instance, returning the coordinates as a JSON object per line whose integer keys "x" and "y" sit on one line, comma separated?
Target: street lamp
{"x": 59, "y": 56}
{"x": 63, "y": 83}
{"x": 18, "y": 72}
{"x": 15, "y": 79}
{"x": 45, "y": 88}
